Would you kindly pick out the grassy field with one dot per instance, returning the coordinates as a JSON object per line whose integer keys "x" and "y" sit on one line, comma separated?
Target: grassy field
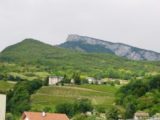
{"x": 100, "y": 95}
{"x": 103, "y": 88}
{"x": 5, "y": 86}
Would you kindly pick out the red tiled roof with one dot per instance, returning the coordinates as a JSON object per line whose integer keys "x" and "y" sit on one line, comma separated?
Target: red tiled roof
{"x": 48, "y": 116}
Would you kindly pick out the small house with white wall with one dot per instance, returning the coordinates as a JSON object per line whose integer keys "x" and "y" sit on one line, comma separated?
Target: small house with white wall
{"x": 155, "y": 117}
{"x": 2, "y": 106}
{"x": 72, "y": 81}
{"x": 99, "y": 82}
{"x": 53, "y": 80}
{"x": 141, "y": 115}
{"x": 91, "y": 80}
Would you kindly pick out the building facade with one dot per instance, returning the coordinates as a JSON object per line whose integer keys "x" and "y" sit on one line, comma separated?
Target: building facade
{"x": 2, "y": 106}
{"x": 141, "y": 115}
{"x": 53, "y": 80}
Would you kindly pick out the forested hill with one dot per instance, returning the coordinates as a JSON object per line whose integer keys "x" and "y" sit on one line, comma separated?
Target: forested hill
{"x": 34, "y": 52}
{"x": 30, "y": 50}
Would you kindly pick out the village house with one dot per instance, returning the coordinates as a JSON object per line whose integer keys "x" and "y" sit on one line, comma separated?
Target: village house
{"x": 99, "y": 82}
{"x": 2, "y": 106}
{"x": 156, "y": 117}
{"x": 141, "y": 115}
{"x": 53, "y": 80}
{"x": 43, "y": 116}
{"x": 72, "y": 81}
{"x": 91, "y": 80}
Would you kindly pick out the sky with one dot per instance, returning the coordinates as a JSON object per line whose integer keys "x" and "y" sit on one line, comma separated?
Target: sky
{"x": 133, "y": 22}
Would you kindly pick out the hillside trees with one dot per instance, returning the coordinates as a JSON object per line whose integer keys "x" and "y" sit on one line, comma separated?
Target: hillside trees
{"x": 112, "y": 114}
{"x": 18, "y": 99}
{"x": 77, "y": 79}
{"x": 79, "y": 106}
{"x": 133, "y": 96}
{"x": 66, "y": 79}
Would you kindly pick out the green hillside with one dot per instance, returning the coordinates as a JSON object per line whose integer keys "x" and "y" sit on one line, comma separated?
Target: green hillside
{"x": 63, "y": 61}
{"x": 30, "y": 50}
{"x": 5, "y": 86}
{"x": 101, "y": 98}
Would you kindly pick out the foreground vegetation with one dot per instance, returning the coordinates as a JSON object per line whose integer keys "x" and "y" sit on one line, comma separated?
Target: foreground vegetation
{"x": 143, "y": 94}
{"x": 61, "y": 99}
{"x": 18, "y": 98}
{"x": 114, "y": 101}
{"x": 101, "y": 99}
{"x": 5, "y": 86}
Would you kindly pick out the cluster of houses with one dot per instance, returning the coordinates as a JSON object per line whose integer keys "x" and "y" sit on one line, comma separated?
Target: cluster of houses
{"x": 53, "y": 80}
{"x": 145, "y": 116}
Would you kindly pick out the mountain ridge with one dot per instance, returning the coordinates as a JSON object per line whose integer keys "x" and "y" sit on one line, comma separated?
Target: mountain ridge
{"x": 109, "y": 42}
{"x": 80, "y": 43}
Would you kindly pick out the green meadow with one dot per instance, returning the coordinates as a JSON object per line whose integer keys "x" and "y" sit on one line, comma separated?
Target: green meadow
{"x": 49, "y": 97}
{"x": 102, "y": 88}
{"x": 5, "y": 86}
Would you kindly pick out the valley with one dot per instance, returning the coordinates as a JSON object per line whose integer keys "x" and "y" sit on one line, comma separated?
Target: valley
{"x": 117, "y": 78}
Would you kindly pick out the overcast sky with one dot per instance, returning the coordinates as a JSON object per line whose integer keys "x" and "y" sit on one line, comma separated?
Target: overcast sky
{"x": 134, "y": 22}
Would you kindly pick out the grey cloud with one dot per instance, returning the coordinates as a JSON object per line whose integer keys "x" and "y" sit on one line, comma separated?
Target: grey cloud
{"x": 134, "y": 22}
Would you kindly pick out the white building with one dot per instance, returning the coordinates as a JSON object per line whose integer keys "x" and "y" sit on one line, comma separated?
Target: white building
{"x": 53, "y": 80}
{"x": 72, "y": 81}
{"x": 99, "y": 82}
{"x": 2, "y": 106}
{"x": 91, "y": 80}
{"x": 141, "y": 115}
{"x": 156, "y": 117}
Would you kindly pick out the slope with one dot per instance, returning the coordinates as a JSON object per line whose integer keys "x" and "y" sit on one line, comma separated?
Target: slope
{"x": 55, "y": 95}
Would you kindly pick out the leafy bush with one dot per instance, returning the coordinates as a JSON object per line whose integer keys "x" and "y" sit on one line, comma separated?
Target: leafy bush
{"x": 9, "y": 116}
{"x": 83, "y": 105}
{"x": 133, "y": 96}
{"x": 67, "y": 108}
{"x": 18, "y": 99}
{"x": 80, "y": 106}
{"x": 112, "y": 114}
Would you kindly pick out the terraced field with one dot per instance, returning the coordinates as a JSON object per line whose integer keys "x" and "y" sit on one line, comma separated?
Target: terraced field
{"x": 100, "y": 95}
{"x": 5, "y": 86}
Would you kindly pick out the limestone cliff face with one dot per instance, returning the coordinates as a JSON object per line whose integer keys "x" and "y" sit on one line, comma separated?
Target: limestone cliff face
{"x": 89, "y": 44}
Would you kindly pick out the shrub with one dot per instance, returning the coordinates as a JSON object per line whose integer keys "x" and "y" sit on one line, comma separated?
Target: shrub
{"x": 83, "y": 105}
{"x": 66, "y": 108}
{"x": 112, "y": 114}
{"x": 80, "y": 106}
{"x": 9, "y": 116}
